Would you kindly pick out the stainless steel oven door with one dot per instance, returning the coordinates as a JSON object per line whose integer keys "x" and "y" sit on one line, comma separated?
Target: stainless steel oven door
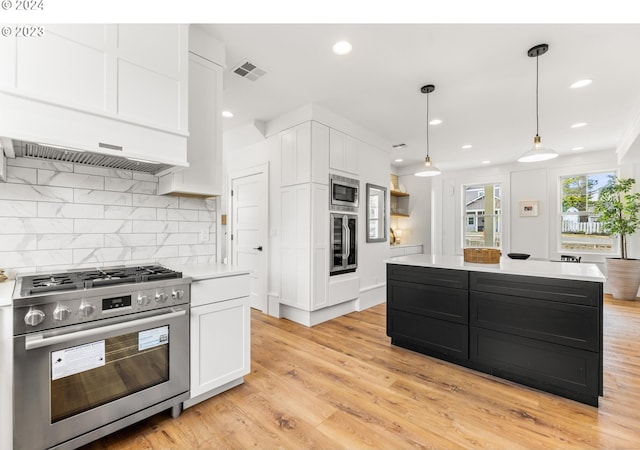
{"x": 344, "y": 243}
{"x": 72, "y": 380}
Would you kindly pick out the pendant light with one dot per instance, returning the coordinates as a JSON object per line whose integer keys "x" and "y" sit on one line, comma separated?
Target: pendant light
{"x": 430, "y": 170}
{"x": 538, "y": 152}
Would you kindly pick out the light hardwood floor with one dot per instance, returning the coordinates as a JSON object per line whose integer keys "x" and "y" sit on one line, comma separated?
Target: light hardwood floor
{"x": 342, "y": 385}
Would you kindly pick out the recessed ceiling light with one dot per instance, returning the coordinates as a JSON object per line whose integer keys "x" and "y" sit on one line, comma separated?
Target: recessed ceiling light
{"x": 435, "y": 122}
{"x": 575, "y": 149}
{"x": 579, "y": 125}
{"x": 227, "y": 114}
{"x": 581, "y": 83}
{"x": 342, "y": 48}
{"x": 486, "y": 162}
{"x": 466, "y": 146}
{"x": 399, "y": 160}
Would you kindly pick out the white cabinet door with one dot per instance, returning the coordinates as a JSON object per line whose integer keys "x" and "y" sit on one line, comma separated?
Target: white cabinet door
{"x": 343, "y": 152}
{"x": 295, "y": 155}
{"x": 220, "y": 344}
{"x": 204, "y": 145}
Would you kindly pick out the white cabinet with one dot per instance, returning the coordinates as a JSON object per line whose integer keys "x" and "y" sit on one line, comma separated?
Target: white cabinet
{"x": 343, "y": 152}
{"x": 304, "y": 154}
{"x": 402, "y": 250}
{"x": 220, "y": 335}
{"x": 81, "y": 85}
{"x": 204, "y": 146}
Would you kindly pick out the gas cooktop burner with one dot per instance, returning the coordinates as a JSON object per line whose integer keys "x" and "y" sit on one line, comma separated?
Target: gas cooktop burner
{"x": 87, "y": 279}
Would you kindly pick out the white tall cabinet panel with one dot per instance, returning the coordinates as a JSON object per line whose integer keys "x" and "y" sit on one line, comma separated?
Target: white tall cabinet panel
{"x": 343, "y": 152}
{"x": 295, "y": 150}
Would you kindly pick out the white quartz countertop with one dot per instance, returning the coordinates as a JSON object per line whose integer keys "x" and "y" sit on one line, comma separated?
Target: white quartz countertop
{"x": 532, "y": 268}
{"x": 208, "y": 271}
{"x": 6, "y": 292}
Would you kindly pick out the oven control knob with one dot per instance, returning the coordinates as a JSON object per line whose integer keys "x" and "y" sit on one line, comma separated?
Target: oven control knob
{"x": 61, "y": 313}
{"x": 143, "y": 300}
{"x": 86, "y": 309}
{"x": 177, "y": 294}
{"x": 161, "y": 297}
{"x": 33, "y": 317}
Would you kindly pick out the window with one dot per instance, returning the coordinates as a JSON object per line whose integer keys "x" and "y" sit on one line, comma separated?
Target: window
{"x": 580, "y": 230}
{"x": 482, "y": 212}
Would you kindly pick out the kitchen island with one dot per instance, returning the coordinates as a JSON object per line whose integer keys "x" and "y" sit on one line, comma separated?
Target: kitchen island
{"x": 538, "y": 323}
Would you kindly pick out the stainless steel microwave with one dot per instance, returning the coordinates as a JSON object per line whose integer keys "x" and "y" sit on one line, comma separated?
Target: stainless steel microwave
{"x": 344, "y": 193}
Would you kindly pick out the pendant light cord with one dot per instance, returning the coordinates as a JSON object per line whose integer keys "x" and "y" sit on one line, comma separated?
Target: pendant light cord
{"x": 427, "y": 124}
{"x": 537, "y": 115}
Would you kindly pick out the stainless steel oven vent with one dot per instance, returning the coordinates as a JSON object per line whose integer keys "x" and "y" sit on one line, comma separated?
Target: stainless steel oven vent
{"x": 43, "y": 151}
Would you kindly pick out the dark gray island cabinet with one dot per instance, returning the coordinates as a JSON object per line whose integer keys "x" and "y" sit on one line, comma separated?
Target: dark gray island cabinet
{"x": 540, "y": 331}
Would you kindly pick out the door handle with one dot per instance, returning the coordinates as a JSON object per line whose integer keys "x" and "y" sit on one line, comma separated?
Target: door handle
{"x": 258, "y": 248}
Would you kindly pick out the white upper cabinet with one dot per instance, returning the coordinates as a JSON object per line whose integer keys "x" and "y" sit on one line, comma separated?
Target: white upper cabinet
{"x": 304, "y": 154}
{"x": 126, "y": 85}
{"x": 343, "y": 152}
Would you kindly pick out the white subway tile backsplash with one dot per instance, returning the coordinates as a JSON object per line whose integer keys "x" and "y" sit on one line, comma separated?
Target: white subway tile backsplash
{"x": 17, "y": 242}
{"x": 22, "y": 175}
{"x": 103, "y": 171}
{"x": 129, "y": 240}
{"x": 207, "y": 216}
{"x": 36, "y": 258}
{"x": 57, "y": 241}
{"x": 33, "y": 192}
{"x": 129, "y": 212}
{"x": 102, "y": 197}
{"x": 177, "y": 238}
{"x": 58, "y": 216}
{"x": 17, "y": 225}
{"x": 66, "y": 179}
{"x": 182, "y": 214}
{"x": 70, "y": 210}
{"x": 155, "y": 226}
{"x": 17, "y": 208}
{"x": 134, "y": 186}
{"x": 108, "y": 256}
{"x": 40, "y": 164}
{"x": 102, "y": 226}
{"x": 155, "y": 252}
{"x": 155, "y": 201}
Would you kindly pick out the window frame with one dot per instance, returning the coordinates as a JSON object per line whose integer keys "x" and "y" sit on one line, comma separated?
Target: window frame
{"x": 501, "y": 225}
{"x": 615, "y": 249}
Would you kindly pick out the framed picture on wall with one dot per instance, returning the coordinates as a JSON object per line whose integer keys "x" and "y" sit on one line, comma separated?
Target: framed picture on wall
{"x": 529, "y": 208}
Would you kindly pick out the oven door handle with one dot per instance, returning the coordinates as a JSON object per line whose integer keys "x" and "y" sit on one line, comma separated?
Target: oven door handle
{"x": 38, "y": 340}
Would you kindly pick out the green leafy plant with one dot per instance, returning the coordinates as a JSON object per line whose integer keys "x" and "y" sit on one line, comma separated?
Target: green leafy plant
{"x": 618, "y": 210}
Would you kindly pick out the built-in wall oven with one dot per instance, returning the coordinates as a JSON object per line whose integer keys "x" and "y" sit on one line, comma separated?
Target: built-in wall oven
{"x": 343, "y": 193}
{"x": 344, "y": 243}
{"x": 96, "y": 351}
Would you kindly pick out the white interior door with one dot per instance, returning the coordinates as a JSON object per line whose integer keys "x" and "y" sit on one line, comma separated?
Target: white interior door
{"x": 249, "y": 200}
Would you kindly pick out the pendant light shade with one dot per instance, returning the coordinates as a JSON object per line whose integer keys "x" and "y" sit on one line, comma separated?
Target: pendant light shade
{"x": 429, "y": 170}
{"x": 538, "y": 152}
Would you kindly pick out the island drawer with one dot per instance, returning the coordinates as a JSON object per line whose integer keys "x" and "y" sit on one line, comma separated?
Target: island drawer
{"x": 555, "y": 368}
{"x": 433, "y": 301}
{"x": 438, "y": 335}
{"x": 552, "y": 289}
{"x": 458, "y": 279}
{"x": 561, "y": 323}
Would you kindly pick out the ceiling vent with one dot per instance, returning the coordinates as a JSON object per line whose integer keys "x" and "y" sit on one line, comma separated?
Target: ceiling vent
{"x": 248, "y": 70}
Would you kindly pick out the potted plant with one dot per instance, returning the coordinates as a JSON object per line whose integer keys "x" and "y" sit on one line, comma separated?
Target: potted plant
{"x": 618, "y": 210}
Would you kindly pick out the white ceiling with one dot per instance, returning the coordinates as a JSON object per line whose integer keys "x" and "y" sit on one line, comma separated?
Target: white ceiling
{"x": 485, "y": 84}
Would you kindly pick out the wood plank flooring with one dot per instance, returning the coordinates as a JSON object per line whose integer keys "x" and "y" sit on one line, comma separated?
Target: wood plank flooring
{"x": 342, "y": 385}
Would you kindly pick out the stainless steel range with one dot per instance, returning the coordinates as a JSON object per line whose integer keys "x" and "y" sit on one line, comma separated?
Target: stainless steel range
{"x": 97, "y": 350}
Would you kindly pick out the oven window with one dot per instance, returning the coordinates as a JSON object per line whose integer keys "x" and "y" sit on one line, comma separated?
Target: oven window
{"x": 131, "y": 362}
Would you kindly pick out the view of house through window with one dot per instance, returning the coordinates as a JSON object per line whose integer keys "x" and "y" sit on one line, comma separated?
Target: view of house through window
{"x": 580, "y": 230}
{"x": 482, "y": 215}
